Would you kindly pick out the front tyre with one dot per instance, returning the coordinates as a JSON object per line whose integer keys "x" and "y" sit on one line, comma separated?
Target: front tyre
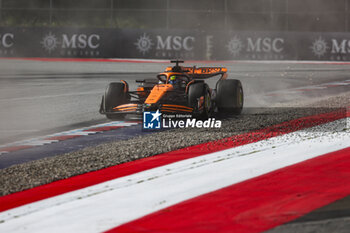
{"x": 116, "y": 94}
{"x": 229, "y": 96}
{"x": 199, "y": 98}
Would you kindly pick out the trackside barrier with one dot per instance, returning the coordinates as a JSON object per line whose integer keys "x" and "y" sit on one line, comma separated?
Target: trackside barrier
{"x": 168, "y": 44}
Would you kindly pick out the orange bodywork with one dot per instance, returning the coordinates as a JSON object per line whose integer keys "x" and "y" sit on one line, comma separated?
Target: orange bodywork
{"x": 158, "y": 92}
{"x": 187, "y": 75}
{"x": 141, "y": 91}
{"x": 200, "y": 70}
{"x": 126, "y": 107}
{"x": 174, "y": 108}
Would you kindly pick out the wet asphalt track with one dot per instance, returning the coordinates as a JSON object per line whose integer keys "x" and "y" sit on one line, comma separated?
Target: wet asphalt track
{"x": 37, "y": 98}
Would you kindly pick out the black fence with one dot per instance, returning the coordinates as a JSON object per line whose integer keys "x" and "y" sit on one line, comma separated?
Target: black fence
{"x": 168, "y": 44}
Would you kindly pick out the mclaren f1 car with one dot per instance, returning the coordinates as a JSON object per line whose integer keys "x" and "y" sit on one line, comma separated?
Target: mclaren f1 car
{"x": 178, "y": 89}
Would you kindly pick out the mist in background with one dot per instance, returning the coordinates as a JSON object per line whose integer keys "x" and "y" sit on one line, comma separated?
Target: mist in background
{"x": 202, "y": 15}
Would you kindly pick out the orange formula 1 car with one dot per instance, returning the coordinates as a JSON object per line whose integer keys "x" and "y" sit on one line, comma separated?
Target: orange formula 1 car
{"x": 176, "y": 90}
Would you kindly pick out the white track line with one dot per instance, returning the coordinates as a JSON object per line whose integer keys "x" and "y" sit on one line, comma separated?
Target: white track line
{"x": 39, "y": 142}
{"x": 112, "y": 203}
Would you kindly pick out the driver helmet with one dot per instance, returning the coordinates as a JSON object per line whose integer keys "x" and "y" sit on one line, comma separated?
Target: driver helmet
{"x": 172, "y": 80}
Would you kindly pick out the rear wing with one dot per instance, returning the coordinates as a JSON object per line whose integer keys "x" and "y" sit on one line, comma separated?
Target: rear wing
{"x": 200, "y": 72}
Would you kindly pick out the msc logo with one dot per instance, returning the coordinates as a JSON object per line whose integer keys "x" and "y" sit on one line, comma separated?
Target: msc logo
{"x": 144, "y": 44}
{"x": 319, "y": 47}
{"x": 76, "y": 41}
{"x": 151, "y": 120}
{"x": 165, "y": 43}
{"x": 255, "y": 45}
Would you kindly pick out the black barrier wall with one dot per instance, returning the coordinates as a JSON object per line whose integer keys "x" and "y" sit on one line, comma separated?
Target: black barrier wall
{"x": 169, "y": 44}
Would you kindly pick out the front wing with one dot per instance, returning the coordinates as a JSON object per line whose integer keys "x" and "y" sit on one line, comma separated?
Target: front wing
{"x": 134, "y": 108}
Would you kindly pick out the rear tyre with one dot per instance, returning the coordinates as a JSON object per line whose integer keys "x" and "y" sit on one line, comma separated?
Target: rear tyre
{"x": 199, "y": 98}
{"x": 116, "y": 94}
{"x": 229, "y": 96}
